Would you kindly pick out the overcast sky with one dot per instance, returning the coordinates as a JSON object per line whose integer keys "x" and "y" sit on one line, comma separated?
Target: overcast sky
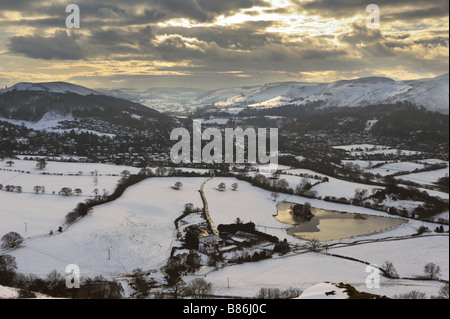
{"x": 220, "y": 43}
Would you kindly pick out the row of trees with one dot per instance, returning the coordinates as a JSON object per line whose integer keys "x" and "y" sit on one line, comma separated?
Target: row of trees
{"x": 65, "y": 191}
{"x": 41, "y": 164}
{"x": 223, "y": 187}
{"x": 11, "y": 188}
{"x": 142, "y": 284}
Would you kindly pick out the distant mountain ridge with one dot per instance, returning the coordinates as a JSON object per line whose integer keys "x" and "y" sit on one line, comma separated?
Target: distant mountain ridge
{"x": 431, "y": 93}
{"x": 51, "y": 87}
{"x": 33, "y": 102}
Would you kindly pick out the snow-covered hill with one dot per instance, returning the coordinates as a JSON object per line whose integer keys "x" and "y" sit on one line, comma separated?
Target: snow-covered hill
{"x": 52, "y": 87}
{"x": 432, "y": 93}
{"x": 57, "y": 101}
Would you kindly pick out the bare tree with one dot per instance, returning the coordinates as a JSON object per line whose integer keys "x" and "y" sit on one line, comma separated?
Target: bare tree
{"x": 414, "y": 294}
{"x": 178, "y": 186}
{"x": 389, "y": 269}
{"x": 304, "y": 185}
{"x": 188, "y": 208}
{"x": 360, "y": 194}
{"x": 222, "y": 187}
{"x": 140, "y": 283}
{"x": 234, "y": 186}
{"x": 444, "y": 292}
{"x": 125, "y": 173}
{"x": 432, "y": 271}
{"x": 313, "y": 244}
{"x": 199, "y": 288}
{"x": 282, "y": 184}
{"x": 12, "y": 240}
{"x": 66, "y": 191}
{"x": 275, "y": 196}
{"x": 178, "y": 289}
{"x": 41, "y": 164}
{"x": 161, "y": 171}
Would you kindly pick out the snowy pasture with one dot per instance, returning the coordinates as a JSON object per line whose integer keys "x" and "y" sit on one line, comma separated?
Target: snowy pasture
{"x": 135, "y": 231}
{"x": 45, "y": 211}
{"x": 428, "y": 178}
{"x": 253, "y": 204}
{"x": 408, "y": 256}
{"x": 303, "y": 271}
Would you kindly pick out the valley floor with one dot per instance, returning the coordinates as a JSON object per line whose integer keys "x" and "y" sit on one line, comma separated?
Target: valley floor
{"x": 138, "y": 231}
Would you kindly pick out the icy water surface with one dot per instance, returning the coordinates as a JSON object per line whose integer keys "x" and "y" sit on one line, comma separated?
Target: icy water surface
{"x": 332, "y": 225}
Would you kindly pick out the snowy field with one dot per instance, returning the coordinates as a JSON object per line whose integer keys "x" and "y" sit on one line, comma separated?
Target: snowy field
{"x": 253, "y": 204}
{"x": 67, "y": 168}
{"x": 44, "y": 212}
{"x": 304, "y": 271}
{"x": 334, "y": 187}
{"x": 428, "y": 178}
{"x": 137, "y": 230}
{"x": 393, "y": 168}
{"x": 408, "y": 256}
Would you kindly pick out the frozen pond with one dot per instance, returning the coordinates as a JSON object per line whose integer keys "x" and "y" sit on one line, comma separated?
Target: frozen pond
{"x": 328, "y": 225}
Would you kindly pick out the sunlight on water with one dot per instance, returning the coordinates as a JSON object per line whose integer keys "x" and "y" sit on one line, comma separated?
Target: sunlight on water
{"x": 332, "y": 225}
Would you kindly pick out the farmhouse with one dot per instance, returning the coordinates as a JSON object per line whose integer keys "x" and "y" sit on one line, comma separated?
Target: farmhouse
{"x": 209, "y": 243}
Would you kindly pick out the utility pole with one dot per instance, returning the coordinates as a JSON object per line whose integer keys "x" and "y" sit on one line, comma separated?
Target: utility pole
{"x": 228, "y": 279}
{"x": 109, "y": 254}
{"x": 25, "y": 227}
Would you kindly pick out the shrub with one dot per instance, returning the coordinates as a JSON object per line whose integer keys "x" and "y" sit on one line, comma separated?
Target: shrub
{"x": 199, "y": 288}
{"x": 414, "y": 294}
{"x": 26, "y": 294}
{"x": 8, "y": 267}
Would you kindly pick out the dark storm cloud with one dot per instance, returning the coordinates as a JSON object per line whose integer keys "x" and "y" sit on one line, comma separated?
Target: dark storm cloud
{"x": 115, "y": 32}
{"x": 369, "y": 42}
{"x": 404, "y": 9}
{"x": 135, "y": 11}
{"x": 116, "y": 36}
{"x": 61, "y": 46}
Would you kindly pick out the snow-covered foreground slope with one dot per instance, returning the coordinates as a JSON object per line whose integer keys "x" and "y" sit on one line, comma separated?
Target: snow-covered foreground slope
{"x": 324, "y": 291}
{"x": 13, "y": 293}
{"x": 408, "y": 256}
{"x": 135, "y": 231}
{"x": 138, "y": 231}
{"x": 304, "y": 271}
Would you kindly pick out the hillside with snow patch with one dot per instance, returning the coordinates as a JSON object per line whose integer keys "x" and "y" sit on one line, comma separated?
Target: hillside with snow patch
{"x": 431, "y": 93}
{"x": 51, "y": 87}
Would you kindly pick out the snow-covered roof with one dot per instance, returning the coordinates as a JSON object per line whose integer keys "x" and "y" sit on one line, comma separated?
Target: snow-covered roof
{"x": 210, "y": 239}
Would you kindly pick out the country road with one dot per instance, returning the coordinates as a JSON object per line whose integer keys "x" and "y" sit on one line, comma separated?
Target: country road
{"x": 206, "y": 209}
